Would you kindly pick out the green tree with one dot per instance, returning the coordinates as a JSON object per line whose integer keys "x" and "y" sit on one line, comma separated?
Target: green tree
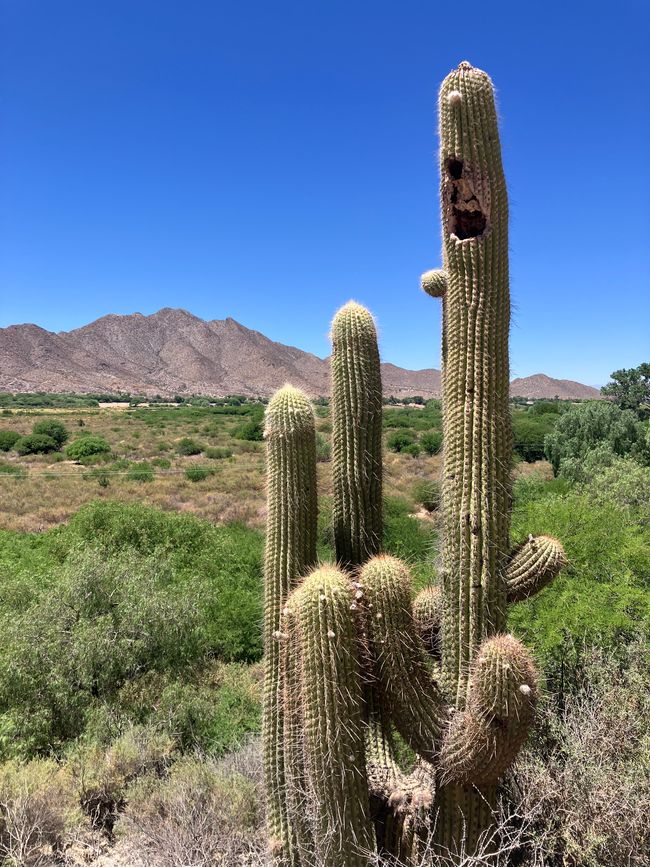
{"x": 35, "y": 444}
{"x": 87, "y": 446}
{"x": 54, "y": 429}
{"x": 431, "y": 442}
{"x": 251, "y": 430}
{"x": 592, "y": 424}
{"x": 630, "y": 389}
{"x": 8, "y": 438}
{"x": 400, "y": 440}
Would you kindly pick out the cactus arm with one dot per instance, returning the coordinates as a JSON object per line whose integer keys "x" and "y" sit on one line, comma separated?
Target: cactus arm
{"x": 533, "y": 565}
{"x": 408, "y": 692}
{"x": 298, "y": 794}
{"x": 356, "y": 436}
{"x": 484, "y": 739}
{"x": 434, "y": 283}
{"x": 427, "y": 614}
{"x": 290, "y": 552}
{"x": 331, "y": 699}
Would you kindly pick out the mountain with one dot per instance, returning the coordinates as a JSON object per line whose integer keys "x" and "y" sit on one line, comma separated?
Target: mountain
{"x": 174, "y": 352}
{"x": 540, "y": 385}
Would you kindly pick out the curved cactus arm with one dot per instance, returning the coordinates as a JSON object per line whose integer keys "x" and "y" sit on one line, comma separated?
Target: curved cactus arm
{"x": 332, "y": 701}
{"x": 427, "y": 614}
{"x": 400, "y": 803}
{"x": 434, "y": 282}
{"x": 408, "y": 691}
{"x": 533, "y": 565}
{"x": 356, "y": 436}
{"x": 290, "y": 553}
{"x": 484, "y": 739}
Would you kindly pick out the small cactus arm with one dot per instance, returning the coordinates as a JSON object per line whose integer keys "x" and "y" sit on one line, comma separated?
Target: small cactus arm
{"x": 290, "y": 553}
{"x": 533, "y": 565}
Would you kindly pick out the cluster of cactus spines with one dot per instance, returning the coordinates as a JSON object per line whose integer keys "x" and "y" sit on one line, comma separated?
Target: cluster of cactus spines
{"x": 356, "y": 436}
{"x": 351, "y": 657}
{"x": 290, "y": 553}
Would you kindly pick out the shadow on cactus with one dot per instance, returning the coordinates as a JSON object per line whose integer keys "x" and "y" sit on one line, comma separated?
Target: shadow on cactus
{"x": 355, "y": 665}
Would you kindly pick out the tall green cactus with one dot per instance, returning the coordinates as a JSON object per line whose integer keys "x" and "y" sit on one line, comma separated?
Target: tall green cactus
{"x": 356, "y": 436}
{"x": 351, "y": 658}
{"x": 290, "y": 554}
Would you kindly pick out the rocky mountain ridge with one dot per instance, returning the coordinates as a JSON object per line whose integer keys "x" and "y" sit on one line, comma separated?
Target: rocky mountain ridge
{"x": 174, "y": 352}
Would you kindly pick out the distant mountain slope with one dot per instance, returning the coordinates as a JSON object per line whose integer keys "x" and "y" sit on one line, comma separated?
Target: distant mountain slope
{"x": 174, "y": 352}
{"x": 540, "y": 385}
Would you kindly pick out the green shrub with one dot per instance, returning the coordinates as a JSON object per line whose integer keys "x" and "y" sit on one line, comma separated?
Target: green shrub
{"x": 400, "y": 440}
{"x": 602, "y": 597}
{"x": 102, "y": 776}
{"x": 218, "y": 454}
{"x": 413, "y": 449}
{"x": 409, "y": 538}
{"x": 35, "y": 444}
{"x": 103, "y": 622}
{"x": 197, "y": 473}
{"x": 200, "y": 807}
{"x": 38, "y": 808}
{"x": 323, "y": 448}
{"x": 12, "y": 470}
{"x": 8, "y": 438}
{"x": 624, "y": 483}
{"x": 253, "y": 431}
{"x": 216, "y": 715}
{"x": 592, "y": 424}
{"x": 529, "y": 432}
{"x": 100, "y": 476}
{"x": 163, "y": 447}
{"x": 431, "y": 442}
{"x": 162, "y": 463}
{"x": 223, "y": 565}
{"x": 87, "y": 446}
{"x": 189, "y": 447}
{"x": 140, "y": 472}
{"x": 427, "y": 494}
{"x": 54, "y": 429}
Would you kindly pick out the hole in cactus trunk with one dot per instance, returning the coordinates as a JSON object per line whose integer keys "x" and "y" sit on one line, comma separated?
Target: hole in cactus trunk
{"x": 465, "y": 217}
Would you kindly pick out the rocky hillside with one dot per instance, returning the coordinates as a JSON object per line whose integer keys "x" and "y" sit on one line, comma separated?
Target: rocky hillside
{"x": 540, "y": 385}
{"x": 173, "y": 352}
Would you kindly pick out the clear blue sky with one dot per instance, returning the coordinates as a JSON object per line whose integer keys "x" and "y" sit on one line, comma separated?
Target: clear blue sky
{"x": 270, "y": 160}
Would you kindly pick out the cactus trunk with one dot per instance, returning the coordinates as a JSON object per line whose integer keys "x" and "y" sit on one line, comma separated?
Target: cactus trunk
{"x": 475, "y": 373}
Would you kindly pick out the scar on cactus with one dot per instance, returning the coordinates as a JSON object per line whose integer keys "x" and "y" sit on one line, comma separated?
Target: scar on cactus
{"x": 465, "y": 212}
{"x": 355, "y": 666}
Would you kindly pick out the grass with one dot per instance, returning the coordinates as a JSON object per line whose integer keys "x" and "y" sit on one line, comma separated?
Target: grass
{"x": 223, "y": 483}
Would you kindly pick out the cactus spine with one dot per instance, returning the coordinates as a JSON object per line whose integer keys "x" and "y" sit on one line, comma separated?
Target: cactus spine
{"x": 358, "y": 657}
